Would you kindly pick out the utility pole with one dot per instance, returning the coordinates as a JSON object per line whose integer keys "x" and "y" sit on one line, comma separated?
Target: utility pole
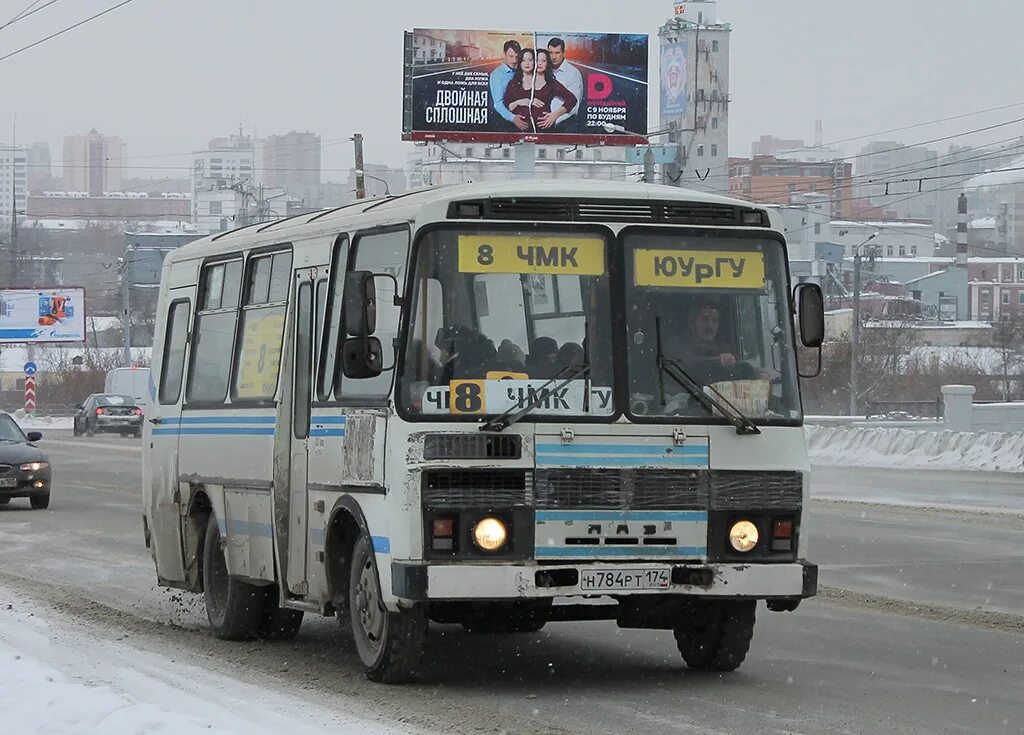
{"x": 126, "y": 318}
{"x": 855, "y": 334}
{"x": 649, "y": 165}
{"x": 14, "y": 227}
{"x": 357, "y": 139}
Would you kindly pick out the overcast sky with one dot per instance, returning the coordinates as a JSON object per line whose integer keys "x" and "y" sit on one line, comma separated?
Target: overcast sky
{"x": 168, "y": 75}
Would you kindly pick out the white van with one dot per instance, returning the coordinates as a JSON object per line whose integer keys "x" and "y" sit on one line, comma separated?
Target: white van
{"x": 133, "y": 381}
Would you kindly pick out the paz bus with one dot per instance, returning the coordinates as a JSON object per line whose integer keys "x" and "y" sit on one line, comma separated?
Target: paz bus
{"x": 493, "y": 405}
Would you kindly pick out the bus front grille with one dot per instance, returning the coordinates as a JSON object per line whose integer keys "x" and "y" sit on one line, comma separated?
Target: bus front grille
{"x": 667, "y": 489}
{"x": 476, "y": 488}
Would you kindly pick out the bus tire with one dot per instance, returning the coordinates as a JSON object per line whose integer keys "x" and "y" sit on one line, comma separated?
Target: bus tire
{"x": 279, "y": 623}
{"x": 389, "y": 644}
{"x": 233, "y": 607}
{"x": 715, "y": 636}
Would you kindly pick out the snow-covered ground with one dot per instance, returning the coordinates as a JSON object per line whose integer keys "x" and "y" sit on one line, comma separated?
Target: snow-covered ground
{"x": 908, "y": 449}
{"x": 59, "y": 677}
{"x": 42, "y": 423}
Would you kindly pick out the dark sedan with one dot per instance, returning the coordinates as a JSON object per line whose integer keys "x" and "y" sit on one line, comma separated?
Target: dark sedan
{"x": 24, "y": 468}
{"x": 109, "y": 413}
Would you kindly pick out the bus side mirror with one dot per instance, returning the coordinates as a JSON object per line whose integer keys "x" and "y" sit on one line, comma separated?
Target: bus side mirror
{"x": 811, "y": 313}
{"x": 360, "y": 304}
{"x": 362, "y": 357}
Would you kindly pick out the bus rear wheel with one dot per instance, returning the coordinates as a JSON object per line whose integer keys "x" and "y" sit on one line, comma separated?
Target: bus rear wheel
{"x": 233, "y": 607}
{"x": 390, "y": 643}
{"x": 715, "y": 636}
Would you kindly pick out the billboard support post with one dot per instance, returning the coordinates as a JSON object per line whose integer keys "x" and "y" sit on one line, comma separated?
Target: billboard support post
{"x": 526, "y": 160}
{"x": 357, "y": 140}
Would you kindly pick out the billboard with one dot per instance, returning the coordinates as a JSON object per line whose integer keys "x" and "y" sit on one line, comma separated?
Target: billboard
{"x": 42, "y": 315}
{"x": 673, "y": 78}
{"x": 525, "y": 86}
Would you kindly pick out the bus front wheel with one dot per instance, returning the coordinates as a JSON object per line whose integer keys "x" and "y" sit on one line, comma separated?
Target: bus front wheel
{"x": 389, "y": 643}
{"x": 715, "y": 636}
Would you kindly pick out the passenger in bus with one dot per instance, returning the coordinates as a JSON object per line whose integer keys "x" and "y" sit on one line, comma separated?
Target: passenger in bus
{"x": 542, "y": 363}
{"x": 465, "y": 354}
{"x": 510, "y": 358}
{"x": 570, "y": 356}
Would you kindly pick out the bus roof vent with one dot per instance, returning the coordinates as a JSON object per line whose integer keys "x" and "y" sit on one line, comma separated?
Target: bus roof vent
{"x": 519, "y": 209}
{"x": 610, "y": 211}
{"x": 472, "y": 446}
{"x": 694, "y": 213}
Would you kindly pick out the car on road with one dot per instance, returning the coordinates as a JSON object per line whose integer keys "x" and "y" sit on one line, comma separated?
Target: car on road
{"x": 24, "y": 468}
{"x": 108, "y": 413}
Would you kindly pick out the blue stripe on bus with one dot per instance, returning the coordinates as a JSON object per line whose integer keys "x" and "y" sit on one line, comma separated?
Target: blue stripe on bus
{"x": 638, "y": 552}
{"x": 621, "y": 515}
{"x": 622, "y": 449}
{"x": 610, "y": 461}
{"x": 381, "y": 544}
{"x": 329, "y": 420}
{"x": 220, "y": 420}
{"x": 216, "y": 431}
{"x": 327, "y": 432}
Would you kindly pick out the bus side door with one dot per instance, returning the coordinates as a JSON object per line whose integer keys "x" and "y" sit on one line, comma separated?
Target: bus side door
{"x": 303, "y": 358}
{"x": 160, "y": 482}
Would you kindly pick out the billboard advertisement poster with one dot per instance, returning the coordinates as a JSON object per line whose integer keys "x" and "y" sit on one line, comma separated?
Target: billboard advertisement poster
{"x": 673, "y": 78}
{"x": 526, "y": 86}
{"x": 42, "y": 314}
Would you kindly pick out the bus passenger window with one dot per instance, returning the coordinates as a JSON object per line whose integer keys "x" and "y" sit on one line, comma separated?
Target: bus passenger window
{"x": 383, "y": 253}
{"x": 173, "y": 364}
{"x": 259, "y": 355}
{"x": 215, "y": 333}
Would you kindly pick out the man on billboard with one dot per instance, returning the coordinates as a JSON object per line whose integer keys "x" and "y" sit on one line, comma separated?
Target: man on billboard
{"x": 570, "y": 78}
{"x": 500, "y": 79}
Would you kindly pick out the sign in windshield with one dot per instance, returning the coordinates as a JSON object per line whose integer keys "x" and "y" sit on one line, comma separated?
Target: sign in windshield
{"x": 578, "y": 256}
{"x": 498, "y": 396}
{"x": 699, "y": 269}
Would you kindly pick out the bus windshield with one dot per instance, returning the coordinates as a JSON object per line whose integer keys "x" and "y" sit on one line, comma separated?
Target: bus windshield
{"x": 502, "y": 318}
{"x": 709, "y": 312}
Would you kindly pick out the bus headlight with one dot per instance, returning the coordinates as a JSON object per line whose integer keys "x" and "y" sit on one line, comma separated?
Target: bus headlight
{"x": 743, "y": 536}
{"x": 490, "y": 534}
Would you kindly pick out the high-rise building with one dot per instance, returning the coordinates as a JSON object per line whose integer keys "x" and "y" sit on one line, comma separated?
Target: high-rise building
{"x": 695, "y": 95}
{"x": 40, "y": 167}
{"x": 290, "y": 162}
{"x": 899, "y": 179}
{"x": 227, "y": 162}
{"x": 92, "y": 163}
{"x": 769, "y": 145}
{"x": 13, "y": 182}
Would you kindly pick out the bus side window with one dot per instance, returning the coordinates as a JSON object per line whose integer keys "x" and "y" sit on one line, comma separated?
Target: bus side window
{"x": 262, "y": 332}
{"x": 172, "y": 366}
{"x": 214, "y": 339}
{"x": 382, "y": 253}
{"x": 332, "y": 336}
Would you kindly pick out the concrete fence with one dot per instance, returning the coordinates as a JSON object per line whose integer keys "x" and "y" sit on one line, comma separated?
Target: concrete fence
{"x": 963, "y": 414}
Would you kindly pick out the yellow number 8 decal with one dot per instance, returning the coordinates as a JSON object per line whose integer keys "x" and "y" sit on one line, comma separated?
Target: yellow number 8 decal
{"x": 467, "y": 396}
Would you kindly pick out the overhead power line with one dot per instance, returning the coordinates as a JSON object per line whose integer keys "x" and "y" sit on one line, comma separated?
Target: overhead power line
{"x": 27, "y": 12}
{"x": 65, "y": 30}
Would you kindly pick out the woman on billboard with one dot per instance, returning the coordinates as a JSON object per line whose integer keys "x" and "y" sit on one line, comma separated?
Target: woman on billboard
{"x": 533, "y": 88}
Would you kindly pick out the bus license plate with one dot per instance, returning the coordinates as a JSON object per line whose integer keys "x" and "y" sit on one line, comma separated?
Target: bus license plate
{"x": 614, "y": 580}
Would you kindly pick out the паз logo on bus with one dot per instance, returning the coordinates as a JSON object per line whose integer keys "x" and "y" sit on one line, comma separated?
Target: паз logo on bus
{"x": 673, "y": 75}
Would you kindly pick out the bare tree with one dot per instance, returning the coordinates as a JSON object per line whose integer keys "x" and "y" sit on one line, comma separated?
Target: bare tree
{"x": 1007, "y": 337}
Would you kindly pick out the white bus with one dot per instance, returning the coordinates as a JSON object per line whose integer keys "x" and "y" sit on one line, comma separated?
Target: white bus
{"x": 490, "y": 405}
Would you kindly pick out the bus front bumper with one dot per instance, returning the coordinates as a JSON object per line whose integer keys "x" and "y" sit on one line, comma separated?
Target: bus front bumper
{"x": 421, "y": 582}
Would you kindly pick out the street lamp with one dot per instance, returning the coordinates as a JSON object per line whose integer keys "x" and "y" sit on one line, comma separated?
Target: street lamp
{"x": 855, "y": 335}
{"x": 387, "y": 189}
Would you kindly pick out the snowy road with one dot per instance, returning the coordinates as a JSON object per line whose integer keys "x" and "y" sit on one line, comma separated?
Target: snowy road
{"x": 908, "y": 651}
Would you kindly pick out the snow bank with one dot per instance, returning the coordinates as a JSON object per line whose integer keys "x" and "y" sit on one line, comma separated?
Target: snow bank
{"x": 42, "y": 423}
{"x": 61, "y": 678}
{"x": 924, "y": 450}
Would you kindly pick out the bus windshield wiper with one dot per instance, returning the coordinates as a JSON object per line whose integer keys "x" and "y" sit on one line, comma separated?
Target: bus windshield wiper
{"x": 673, "y": 368}
{"x": 514, "y": 414}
